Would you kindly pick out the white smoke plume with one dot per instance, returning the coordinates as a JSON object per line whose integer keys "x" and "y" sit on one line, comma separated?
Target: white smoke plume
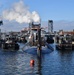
{"x": 21, "y": 14}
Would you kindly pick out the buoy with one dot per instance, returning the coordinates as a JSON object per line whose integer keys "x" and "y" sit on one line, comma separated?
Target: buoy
{"x": 32, "y": 63}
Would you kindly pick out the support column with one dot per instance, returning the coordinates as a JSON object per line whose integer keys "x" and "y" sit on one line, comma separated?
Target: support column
{"x": 39, "y": 43}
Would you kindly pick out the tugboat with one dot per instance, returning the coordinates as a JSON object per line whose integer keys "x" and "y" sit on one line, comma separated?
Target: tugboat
{"x": 10, "y": 44}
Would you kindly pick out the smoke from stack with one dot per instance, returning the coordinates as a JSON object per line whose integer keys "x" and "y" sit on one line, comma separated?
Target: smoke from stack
{"x": 21, "y": 14}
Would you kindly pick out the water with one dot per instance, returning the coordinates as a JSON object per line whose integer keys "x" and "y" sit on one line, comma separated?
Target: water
{"x": 53, "y": 63}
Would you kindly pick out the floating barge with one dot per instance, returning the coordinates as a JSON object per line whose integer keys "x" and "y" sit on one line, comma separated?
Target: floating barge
{"x": 9, "y": 45}
{"x": 65, "y": 42}
{"x": 65, "y": 47}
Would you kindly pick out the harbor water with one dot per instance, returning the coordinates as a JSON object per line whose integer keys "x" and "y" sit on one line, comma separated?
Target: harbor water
{"x": 53, "y": 63}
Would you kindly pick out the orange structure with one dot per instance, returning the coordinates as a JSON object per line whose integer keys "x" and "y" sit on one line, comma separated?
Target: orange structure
{"x": 32, "y": 63}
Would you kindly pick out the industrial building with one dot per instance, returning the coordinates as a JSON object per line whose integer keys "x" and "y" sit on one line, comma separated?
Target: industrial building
{"x": 50, "y": 26}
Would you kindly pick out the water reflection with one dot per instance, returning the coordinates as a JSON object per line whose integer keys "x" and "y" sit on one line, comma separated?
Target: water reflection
{"x": 36, "y": 69}
{"x": 66, "y": 54}
{"x": 39, "y": 66}
{"x": 8, "y": 63}
{"x": 66, "y": 62}
{"x": 54, "y": 63}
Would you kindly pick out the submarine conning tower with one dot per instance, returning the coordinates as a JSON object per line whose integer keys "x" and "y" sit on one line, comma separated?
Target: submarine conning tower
{"x": 35, "y": 33}
{"x": 35, "y": 37}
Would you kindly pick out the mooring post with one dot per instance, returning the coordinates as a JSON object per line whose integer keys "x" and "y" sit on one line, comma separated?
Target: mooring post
{"x": 39, "y": 43}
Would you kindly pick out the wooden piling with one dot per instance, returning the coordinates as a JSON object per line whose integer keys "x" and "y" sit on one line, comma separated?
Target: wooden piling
{"x": 39, "y": 44}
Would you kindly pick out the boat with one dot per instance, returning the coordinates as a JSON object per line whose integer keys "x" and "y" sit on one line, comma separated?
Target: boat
{"x": 10, "y": 45}
{"x": 34, "y": 40}
{"x": 65, "y": 43}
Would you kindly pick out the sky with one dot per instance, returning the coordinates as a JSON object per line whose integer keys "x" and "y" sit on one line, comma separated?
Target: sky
{"x": 56, "y": 10}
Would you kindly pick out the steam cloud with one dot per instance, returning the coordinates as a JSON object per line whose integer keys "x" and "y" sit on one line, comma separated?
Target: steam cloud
{"x": 21, "y": 14}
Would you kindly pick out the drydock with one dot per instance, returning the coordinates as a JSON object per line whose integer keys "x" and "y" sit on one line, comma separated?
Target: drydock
{"x": 37, "y": 40}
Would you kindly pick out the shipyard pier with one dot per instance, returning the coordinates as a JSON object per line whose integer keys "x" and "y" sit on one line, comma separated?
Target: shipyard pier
{"x": 37, "y": 52}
